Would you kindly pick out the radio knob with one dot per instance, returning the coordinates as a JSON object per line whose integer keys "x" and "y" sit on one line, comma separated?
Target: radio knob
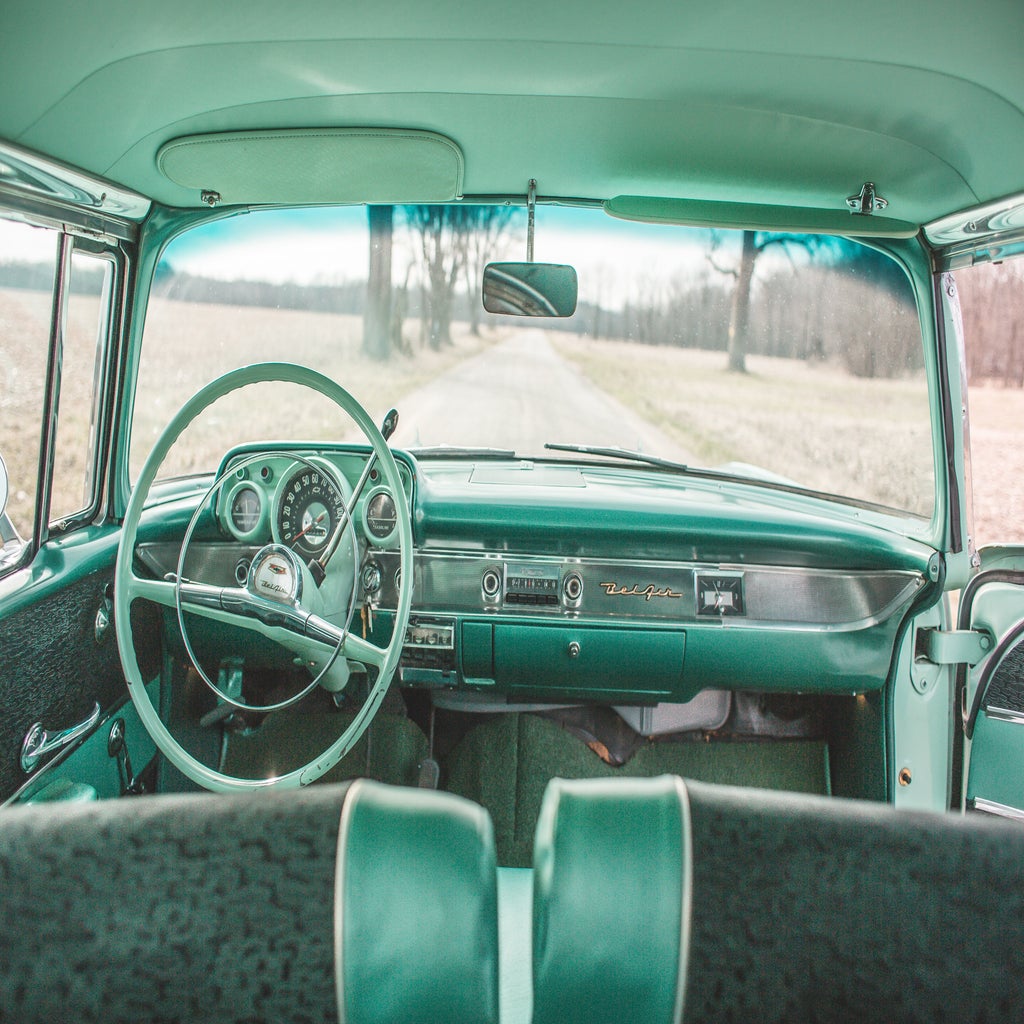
{"x": 491, "y": 584}
{"x": 572, "y": 587}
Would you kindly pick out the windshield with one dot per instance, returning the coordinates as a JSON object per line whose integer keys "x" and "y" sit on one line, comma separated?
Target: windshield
{"x": 789, "y": 358}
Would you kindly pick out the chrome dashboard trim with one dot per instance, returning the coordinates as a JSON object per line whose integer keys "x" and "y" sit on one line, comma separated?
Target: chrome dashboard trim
{"x": 825, "y": 600}
{"x": 822, "y": 600}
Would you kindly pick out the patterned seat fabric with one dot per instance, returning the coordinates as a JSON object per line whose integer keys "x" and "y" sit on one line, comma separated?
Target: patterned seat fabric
{"x": 222, "y": 908}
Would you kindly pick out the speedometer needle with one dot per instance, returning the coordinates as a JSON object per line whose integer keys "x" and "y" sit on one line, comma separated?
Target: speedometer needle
{"x": 306, "y": 529}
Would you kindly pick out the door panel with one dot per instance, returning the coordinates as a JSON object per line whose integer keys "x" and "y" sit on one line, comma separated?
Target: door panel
{"x": 993, "y": 691}
{"x": 53, "y": 666}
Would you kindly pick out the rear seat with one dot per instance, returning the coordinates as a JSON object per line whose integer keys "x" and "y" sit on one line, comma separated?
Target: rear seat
{"x": 222, "y": 908}
{"x": 796, "y": 908}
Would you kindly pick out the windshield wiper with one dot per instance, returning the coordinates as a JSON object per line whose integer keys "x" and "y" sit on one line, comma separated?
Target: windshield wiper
{"x": 454, "y": 451}
{"x": 620, "y": 453}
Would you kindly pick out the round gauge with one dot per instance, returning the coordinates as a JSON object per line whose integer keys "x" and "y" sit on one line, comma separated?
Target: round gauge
{"x": 380, "y": 517}
{"x": 245, "y": 511}
{"x": 310, "y": 506}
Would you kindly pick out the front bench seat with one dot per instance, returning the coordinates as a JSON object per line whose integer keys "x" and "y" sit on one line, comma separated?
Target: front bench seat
{"x": 779, "y": 908}
{"x": 223, "y": 908}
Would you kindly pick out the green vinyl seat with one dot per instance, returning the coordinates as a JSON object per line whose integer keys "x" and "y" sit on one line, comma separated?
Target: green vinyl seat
{"x": 416, "y": 917}
{"x": 663, "y": 901}
{"x": 223, "y": 908}
{"x": 611, "y": 901}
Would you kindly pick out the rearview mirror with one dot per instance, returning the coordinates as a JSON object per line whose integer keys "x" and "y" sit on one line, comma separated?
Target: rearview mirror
{"x": 530, "y": 289}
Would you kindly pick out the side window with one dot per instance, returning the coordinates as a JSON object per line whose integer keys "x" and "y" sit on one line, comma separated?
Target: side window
{"x": 28, "y": 261}
{"x": 50, "y": 380}
{"x": 87, "y": 315}
{"x": 992, "y": 304}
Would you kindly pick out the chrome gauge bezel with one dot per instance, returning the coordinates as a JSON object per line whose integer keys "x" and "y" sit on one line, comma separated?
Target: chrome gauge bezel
{"x": 386, "y": 541}
{"x": 260, "y": 528}
{"x": 340, "y": 508}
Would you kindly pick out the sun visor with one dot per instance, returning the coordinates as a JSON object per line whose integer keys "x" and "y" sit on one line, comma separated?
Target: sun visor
{"x": 754, "y": 217}
{"x": 312, "y": 166}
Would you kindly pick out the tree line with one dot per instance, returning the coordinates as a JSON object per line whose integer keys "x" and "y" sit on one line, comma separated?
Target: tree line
{"x": 821, "y": 300}
{"x": 992, "y": 306}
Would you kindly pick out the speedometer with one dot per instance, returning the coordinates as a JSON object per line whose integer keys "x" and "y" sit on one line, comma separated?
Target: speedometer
{"x": 310, "y": 506}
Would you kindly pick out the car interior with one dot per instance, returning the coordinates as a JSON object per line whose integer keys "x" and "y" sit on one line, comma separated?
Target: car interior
{"x": 395, "y": 629}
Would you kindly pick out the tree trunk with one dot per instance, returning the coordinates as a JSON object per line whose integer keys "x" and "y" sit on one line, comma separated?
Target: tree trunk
{"x": 739, "y": 318}
{"x": 377, "y": 318}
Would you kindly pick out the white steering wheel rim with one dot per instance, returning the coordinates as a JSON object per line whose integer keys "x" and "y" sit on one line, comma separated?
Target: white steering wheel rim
{"x": 259, "y": 373}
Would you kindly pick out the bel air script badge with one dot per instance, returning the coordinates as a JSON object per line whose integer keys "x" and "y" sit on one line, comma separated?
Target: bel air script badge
{"x": 647, "y": 592}
{"x": 275, "y": 574}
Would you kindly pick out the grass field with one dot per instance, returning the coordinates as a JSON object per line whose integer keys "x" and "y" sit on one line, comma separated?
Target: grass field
{"x": 177, "y": 361}
{"x": 871, "y": 423}
{"x": 811, "y": 423}
{"x": 997, "y": 446}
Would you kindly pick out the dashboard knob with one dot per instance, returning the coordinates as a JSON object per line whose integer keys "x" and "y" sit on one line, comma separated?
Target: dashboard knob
{"x": 572, "y": 587}
{"x": 491, "y": 584}
{"x": 574, "y": 649}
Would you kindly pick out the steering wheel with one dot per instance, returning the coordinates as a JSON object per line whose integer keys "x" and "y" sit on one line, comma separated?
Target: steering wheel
{"x": 293, "y": 621}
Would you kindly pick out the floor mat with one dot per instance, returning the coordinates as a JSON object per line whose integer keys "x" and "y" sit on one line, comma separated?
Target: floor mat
{"x": 390, "y": 750}
{"x": 506, "y": 763}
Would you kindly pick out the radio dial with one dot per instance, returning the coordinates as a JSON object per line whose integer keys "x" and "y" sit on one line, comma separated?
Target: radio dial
{"x": 572, "y": 587}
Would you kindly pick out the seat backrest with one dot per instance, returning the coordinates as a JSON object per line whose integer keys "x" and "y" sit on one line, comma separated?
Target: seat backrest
{"x": 611, "y": 899}
{"x": 811, "y": 908}
{"x": 416, "y": 909}
{"x": 222, "y": 908}
{"x": 793, "y": 908}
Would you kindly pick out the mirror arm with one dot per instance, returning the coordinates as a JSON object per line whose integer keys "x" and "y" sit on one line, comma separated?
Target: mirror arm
{"x": 531, "y": 207}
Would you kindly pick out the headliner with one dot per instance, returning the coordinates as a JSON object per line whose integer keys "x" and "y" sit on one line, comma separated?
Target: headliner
{"x": 791, "y": 103}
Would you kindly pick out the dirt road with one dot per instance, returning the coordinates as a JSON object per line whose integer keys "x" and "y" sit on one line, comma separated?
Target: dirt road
{"x": 520, "y": 392}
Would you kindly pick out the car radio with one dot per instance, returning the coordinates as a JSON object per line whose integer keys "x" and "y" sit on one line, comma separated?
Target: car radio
{"x": 536, "y": 585}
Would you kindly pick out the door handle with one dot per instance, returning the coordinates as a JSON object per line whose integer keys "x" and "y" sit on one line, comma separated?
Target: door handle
{"x": 38, "y": 742}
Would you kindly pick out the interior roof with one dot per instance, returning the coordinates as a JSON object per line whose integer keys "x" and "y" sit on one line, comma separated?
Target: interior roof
{"x": 793, "y": 103}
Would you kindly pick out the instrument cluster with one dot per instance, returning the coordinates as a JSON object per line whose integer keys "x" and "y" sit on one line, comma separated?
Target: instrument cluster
{"x": 299, "y": 498}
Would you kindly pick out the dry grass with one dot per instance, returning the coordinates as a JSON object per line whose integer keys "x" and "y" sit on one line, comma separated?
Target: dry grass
{"x": 177, "y": 362}
{"x": 811, "y": 423}
{"x": 24, "y": 336}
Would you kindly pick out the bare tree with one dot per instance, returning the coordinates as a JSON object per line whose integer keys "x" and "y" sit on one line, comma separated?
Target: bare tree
{"x": 442, "y": 234}
{"x": 486, "y": 228}
{"x": 753, "y": 244}
{"x": 992, "y": 304}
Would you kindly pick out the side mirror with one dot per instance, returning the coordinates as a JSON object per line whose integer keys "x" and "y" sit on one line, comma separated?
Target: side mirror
{"x": 530, "y": 289}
